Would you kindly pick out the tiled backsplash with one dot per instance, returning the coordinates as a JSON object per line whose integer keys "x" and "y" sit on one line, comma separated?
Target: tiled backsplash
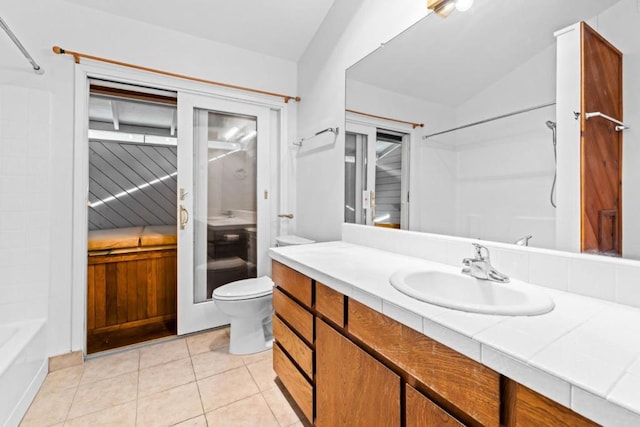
{"x": 610, "y": 279}
{"x": 24, "y": 203}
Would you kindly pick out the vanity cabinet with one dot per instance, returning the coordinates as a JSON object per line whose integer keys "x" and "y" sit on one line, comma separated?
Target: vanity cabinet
{"x": 466, "y": 387}
{"x": 352, "y": 388}
{"x": 526, "y": 408}
{"x": 345, "y": 364}
{"x": 293, "y": 331}
{"x": 420, "y": 411}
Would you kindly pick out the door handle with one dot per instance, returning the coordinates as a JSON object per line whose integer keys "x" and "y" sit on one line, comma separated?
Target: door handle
{"x": 290, "y": 216}
{"x": 184, "y": 217}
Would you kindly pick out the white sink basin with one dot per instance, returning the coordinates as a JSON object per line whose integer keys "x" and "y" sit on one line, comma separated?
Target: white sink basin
{"x": 461, "y": 292}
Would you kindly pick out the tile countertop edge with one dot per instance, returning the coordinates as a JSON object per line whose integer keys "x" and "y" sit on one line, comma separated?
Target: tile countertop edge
{"x": 545, "y": 383}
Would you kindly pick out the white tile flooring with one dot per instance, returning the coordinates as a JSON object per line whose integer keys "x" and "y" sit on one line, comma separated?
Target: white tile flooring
{"x": 190, "y": 381}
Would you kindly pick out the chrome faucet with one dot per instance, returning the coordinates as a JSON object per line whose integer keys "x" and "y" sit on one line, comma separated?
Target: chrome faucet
{"x": 523, "y": 241}
{"x": 480, "y": 266}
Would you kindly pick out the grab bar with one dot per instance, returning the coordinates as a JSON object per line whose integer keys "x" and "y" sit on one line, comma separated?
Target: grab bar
{"x": 620, "y": 126}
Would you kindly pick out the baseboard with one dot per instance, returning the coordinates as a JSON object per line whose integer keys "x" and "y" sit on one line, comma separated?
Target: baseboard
{"x": 66, "y": 360}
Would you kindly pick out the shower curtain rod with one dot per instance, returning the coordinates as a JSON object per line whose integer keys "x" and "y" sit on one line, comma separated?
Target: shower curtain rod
{"x": 38, "y": 69}
{"x": 502, "y": 116}
{"x": 77, "y": 55}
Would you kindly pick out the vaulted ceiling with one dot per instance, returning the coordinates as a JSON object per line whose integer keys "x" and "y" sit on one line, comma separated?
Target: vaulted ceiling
{"x": 280, "y": 28}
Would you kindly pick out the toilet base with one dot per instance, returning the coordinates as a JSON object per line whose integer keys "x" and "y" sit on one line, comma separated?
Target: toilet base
{"x": 250, "y": 336}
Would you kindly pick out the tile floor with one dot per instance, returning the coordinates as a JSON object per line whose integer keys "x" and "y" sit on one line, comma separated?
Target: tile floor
{"x": 190, "y": 381}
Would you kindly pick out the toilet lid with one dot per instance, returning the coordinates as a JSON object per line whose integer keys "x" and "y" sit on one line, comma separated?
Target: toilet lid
{"x": 293, "y": 240}
{"x": 245, "y": 289}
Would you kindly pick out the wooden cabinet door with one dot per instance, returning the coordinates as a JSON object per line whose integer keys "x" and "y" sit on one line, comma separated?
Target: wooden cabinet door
{"x": 352, "y": 388}
{"x": 420, "y": 411}
{"x": 601, "y": 145}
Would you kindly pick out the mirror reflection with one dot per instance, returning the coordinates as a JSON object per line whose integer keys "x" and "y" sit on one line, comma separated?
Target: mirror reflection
{"x": 530, "y": 119}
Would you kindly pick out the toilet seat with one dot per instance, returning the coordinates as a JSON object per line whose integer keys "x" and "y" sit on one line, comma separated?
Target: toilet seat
{"x": 244, "y": 289}
{"x": 292, "y": 240}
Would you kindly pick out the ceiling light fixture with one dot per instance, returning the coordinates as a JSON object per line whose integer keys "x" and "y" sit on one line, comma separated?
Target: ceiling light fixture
{"x": 445, "y": 7}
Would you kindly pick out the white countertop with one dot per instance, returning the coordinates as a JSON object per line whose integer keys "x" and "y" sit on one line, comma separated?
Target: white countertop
{"x": 585, "y": 354}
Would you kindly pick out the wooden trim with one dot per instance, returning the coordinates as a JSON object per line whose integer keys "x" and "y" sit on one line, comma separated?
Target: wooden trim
{"x": 133, "y": 324}
{"x": 130, "y": 94}
{"x": 588, "y": 242}
{"x": 375, "y": 116}
{"x": 77, "y": 55}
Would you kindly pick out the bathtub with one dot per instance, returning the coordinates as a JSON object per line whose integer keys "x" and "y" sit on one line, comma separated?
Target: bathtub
{"x": 23, "y": 367}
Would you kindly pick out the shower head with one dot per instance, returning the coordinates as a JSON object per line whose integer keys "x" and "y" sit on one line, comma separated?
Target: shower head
{"x": 551, "y": 125}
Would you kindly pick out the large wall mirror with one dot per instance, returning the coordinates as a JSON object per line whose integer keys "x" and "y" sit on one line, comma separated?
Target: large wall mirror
{"x": 512, "y": 149}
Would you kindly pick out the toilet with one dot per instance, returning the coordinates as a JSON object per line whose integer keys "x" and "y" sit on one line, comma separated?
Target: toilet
{"x": 292, "y": 240}
{"x": 249, "y": 305}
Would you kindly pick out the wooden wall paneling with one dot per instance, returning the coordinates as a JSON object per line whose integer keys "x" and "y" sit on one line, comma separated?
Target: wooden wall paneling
{"x": 601, "y": 145}
{"x": 297, "y": 386}
{"x": 91, "y": 297}
{"x": 121, "y": 286}
{"x": 294, "y": 314}
{"x": 470, "y": 386}
{"x": 352, "y": 388}
{"x": 132, "y": 291}
{"x": 295, "y": 284}
{"x": 152, "y": 294}
{"x": 420, "y": 411}
{"x": 111, "y": 291}
{"x": 141, "y": 290}
{"x": 161, "y": 285}
{"x": 100, "y": 301}
{"x": 172, "y": 286}
{"x": 130, "y": 299}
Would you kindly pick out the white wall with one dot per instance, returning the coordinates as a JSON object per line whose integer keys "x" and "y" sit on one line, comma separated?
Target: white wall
{"x": 24, "y": 203}
{"x": 42, "y": 23}
{"x": 505, "y": 168}
{"x": 351, "y": 30}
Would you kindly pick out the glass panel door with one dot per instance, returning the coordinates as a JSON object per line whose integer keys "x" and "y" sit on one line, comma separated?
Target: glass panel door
{"x": 222, "y": 203}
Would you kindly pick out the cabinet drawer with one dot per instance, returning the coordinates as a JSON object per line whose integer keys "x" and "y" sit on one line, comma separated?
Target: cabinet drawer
{"x": 296, "y": 284}
{"x": 294, "y": 346}
{"x": 294, "y": 381}
{"x": 421, "y": 411}
{"x": 468, "y": 385}
{"x": 527, "y": 408}
{"x": 330, "y": 304}
{"x": 300, "y": 320}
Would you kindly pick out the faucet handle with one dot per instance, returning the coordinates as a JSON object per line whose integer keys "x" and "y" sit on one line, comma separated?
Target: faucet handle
{"x": 479, "y": 252}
